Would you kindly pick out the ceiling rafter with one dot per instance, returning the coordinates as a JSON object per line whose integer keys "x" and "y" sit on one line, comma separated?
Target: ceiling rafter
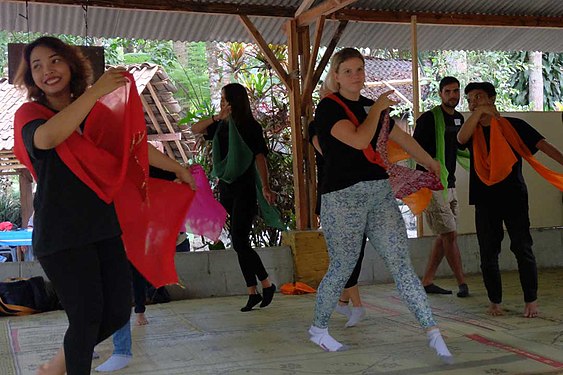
{"x": 454, "y": 19}
{"x": 268, "y": 54}
{"x": 306, "y": 4}
{"x": 323, "y": 9}
{"x": 332, "y": 9}
{"x": 180, "y": 6}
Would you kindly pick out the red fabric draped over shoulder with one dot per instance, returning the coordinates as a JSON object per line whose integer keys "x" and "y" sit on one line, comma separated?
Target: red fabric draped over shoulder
{"x": 111, "y": 158}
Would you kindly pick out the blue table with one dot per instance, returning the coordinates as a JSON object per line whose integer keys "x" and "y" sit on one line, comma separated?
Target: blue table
{"x": 14, "y": 240}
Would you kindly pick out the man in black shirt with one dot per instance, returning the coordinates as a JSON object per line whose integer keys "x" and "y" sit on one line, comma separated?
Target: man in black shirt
{"x": 498, "y": 191}
{"x": 436, "y": 131}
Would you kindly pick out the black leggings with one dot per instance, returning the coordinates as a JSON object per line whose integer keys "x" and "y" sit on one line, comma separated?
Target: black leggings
{"x": 353, "y": 280}
{"x": 241, "y": 205}
{"x": 139, "y": 290}
{"x": 93, "y": 283}
{"x": 488, "y": 222}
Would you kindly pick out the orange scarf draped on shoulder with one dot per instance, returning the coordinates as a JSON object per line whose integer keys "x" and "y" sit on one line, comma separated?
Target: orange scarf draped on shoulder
{"x": 111, "y": 158}
{"x": 494, "y": 165}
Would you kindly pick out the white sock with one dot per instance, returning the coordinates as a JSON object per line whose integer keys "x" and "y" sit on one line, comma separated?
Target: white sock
{"x": 321, "y": 337}
{"x": 356, "y": 314}
{"x": 436, "y": 342}
{"x": 343, "y": 310}
{"x": 114, "y": 363}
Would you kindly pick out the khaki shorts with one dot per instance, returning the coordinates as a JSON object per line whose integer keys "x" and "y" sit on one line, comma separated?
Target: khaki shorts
{"x": 441, "y": 213}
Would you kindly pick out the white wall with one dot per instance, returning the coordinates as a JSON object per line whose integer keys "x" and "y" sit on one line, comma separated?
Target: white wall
{"x": 546, "y": 202}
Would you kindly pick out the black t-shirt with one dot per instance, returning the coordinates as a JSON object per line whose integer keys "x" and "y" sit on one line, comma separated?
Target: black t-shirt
{"x": 512, "y": 187}
{"x": 252, "y": 135}
{"x": 425, "y": 135}
{"x": 68, "y": 213}
{"x": 344, "y": 165}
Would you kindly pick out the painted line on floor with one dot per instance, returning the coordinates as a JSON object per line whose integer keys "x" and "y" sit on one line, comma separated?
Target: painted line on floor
{"x": 523, "y": 353}
{"x": 15, "y": 342}
{"x": 380, "y": 309}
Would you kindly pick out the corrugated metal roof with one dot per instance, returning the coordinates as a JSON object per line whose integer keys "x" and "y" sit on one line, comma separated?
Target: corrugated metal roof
{"x": 167, "y": 25}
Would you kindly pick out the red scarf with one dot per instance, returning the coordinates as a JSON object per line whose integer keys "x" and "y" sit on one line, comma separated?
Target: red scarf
{"x": 495, "y": 165}
{"x": 111, "y": 158}
{"x": 411, "y": 186}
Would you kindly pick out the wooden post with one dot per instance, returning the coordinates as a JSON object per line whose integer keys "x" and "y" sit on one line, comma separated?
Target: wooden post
{"x": 300, "y": 191}
{"x": 26, "y": 196}
{"x": 416, "y": 101}
{"x": 310, "y": 171}
{"x": 415, "y": 84}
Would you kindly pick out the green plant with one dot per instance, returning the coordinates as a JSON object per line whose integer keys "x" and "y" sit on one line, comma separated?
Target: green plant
{"x": 10, "y": 206}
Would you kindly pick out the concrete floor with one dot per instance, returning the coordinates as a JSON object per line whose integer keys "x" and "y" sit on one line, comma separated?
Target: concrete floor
{"x": 211, "y": 336}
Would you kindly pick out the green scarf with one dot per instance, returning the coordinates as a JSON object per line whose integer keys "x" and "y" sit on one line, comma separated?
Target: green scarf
{"x": 236, "y": 162}
{"x": 462, "y": 156}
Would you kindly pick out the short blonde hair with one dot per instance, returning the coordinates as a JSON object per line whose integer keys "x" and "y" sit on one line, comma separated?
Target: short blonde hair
{"x": 337, "y": 59}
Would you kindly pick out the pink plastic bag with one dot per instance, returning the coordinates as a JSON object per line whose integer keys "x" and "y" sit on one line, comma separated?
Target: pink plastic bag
{"x": 206, "y": 217}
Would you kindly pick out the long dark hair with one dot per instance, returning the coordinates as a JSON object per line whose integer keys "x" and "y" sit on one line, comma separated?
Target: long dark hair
{"x": 80, "y": 68}
{"x": 237, "y": 97}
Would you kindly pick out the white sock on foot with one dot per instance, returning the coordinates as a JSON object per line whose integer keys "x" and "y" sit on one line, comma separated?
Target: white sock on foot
{"x": 321, "y": 337}
{"x": 114, "y": 363}
{"x": 436, "y": 342}
{"x": 343, "y": 310}
{"x": 356, "y": 314}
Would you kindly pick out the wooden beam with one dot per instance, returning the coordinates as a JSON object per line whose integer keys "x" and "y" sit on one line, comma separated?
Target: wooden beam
{"x": 452, "y": 19}
{"x": 325, "y": 59}
{"x": 414, "y": 67}
{"x": 165, "y": 137}
{"x": 416, "y": 100}
{"x": 10, "y": 167}
{"x": 166, "y": 121}
{"x": 156, "y": 125}
{"x": 304, "y": 54}
{"x": 308, "y": 81}
{"x": 323, "y": 9}
{"x": 180, "y": 6}
{"x": 26, "y": 196}
{"x": 299, "y": 189}
{"x": 270, "y": 57}
{"x": 306, "y": 4}
{"x": 394, "y": 82}
{"x": 398, "y": 93}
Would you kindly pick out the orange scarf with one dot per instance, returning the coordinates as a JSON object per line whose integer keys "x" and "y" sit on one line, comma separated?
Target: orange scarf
{"x": 495, "y": 165}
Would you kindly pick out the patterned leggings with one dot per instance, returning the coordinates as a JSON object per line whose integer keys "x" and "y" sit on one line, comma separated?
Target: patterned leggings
{"x": 369, "y": 207}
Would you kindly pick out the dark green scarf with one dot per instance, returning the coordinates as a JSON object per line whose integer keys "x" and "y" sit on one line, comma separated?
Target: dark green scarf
{"x": 236, "y": 162}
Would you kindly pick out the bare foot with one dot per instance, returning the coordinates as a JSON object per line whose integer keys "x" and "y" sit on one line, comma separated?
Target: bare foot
{"x": 141, "y": 320}
{"x": 56, "y": 366}
{"x": 495, "y": 309}
{"x": 531, "y": 310}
